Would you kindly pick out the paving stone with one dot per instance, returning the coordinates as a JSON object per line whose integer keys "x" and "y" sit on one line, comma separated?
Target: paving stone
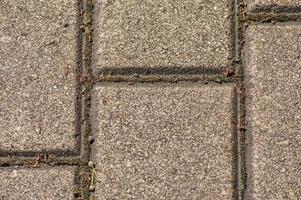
{"x": 163, "y": 141}
{"x": 273, "y": 5}
{"x": 37, "y": 183}
{"x": 273, "y": 70}
{"x": 38, "y": 61}
{"x": 155, "y": 34}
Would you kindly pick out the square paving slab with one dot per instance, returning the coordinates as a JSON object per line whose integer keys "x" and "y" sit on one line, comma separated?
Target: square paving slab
{"x": 273, "y": 70}
{"x": 161, "y": 35}
{"x": 38, "y": 62}
{"x": 164, "y": 141}
{"x": 37, "y": 183}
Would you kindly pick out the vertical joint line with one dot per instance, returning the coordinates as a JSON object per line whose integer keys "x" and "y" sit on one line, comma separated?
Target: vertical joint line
{"x": 241, "y": 152}
{"x": 85, "y": 79}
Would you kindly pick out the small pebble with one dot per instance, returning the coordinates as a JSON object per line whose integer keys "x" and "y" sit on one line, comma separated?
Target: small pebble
{"x": 92, "y": 188}
{"x": 91, "y": 164}
{"x": 91, "y": 140}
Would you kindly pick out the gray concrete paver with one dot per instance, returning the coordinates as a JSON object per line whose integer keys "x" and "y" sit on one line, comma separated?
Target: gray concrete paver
{"x": 163, "y": 141}
{"x": 272, "y": 77}
{"x": 156, "y": 34}
{"x": 38, "y": 61}
{"x": 55, "y": 183}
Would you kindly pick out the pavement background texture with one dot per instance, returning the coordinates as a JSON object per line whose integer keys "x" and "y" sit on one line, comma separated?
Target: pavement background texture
{"x": 175, "y": 99}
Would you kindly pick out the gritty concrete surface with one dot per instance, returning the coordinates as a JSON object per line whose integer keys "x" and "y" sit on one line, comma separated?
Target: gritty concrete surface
{"x": 155, "y": 34}
{"x": 273, "y": 5}
{"x": 163, "y": 141}
{"x": 37, "y": 183}
{"x": 273, "y": 69}
{"x": 38, "y": 51}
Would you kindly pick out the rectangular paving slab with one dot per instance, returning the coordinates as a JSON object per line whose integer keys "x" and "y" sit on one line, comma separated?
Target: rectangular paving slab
{"x": 274, "y": 5}
{"x": 162, "y": 35}
{"x": 173, "y": 141}
{"x": 37, "y": 183}
{"x": 38, "y": 63}
{"x": 272, "y": 77}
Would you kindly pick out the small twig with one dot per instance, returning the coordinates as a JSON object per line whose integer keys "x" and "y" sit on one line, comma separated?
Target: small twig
{"x": 93, "y": 177}
{"x": 50, "y": 43}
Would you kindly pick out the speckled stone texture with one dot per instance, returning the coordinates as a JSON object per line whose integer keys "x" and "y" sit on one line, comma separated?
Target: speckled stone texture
{"x": 155, "y": 34}
{"x": 37, "y": 183}
{"x": 274, "y": 5}
{"x": 272, "y": 77}
{"x": 38, "y": 50}
{"x": 163, "y": 141}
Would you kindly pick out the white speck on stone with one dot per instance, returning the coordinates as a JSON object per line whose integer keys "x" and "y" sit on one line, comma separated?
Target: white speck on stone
{"x": 34, "y": 76}
{"x": 5, "y": 39}
{"x": 285, "y": 142}
{"x": 14, "y": 173}
{"x": 128, "y": 164}
{"x": 224, "y": 193}
{"x": 99, "y": 51}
